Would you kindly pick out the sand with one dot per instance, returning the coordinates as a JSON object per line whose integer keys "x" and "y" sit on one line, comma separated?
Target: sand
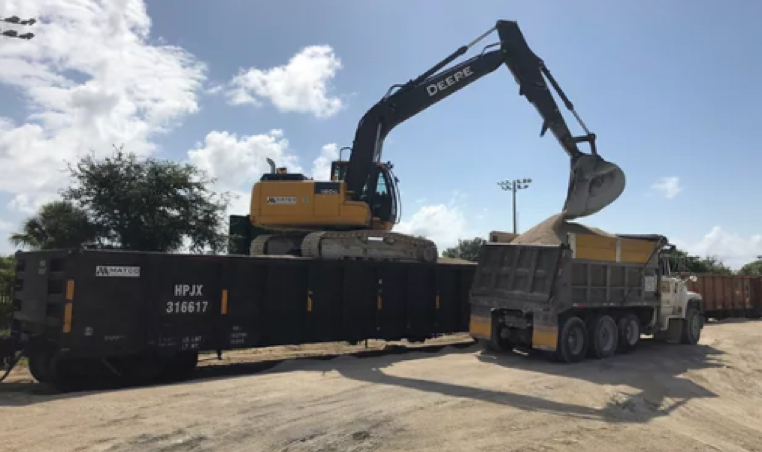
{"x": 454, "y": 260}
{"x": 661, "y": 398}
{"x": 553, "y": 232}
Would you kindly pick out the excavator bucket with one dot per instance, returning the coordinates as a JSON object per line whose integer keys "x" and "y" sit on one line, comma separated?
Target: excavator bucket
{"x": 594, "y": 184}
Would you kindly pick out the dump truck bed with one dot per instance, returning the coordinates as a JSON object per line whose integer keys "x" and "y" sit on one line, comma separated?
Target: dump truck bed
{"x": 555, "y": 278}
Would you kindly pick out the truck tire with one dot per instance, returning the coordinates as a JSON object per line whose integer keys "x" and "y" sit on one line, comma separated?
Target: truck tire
{"x": 604, "y": 337}
{"x": 691, "y": 331}
{"x": 629, "y": 333}
{"x": 572, "y": 341}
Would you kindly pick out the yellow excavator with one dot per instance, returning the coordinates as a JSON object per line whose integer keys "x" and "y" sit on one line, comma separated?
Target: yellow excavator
{"x": 352, "y": 215}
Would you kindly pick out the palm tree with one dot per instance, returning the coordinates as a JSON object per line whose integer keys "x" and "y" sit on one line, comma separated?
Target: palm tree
{"x": 58, "y": 224}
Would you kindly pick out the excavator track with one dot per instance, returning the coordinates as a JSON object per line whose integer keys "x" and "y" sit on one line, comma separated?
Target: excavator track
{"x": 288, "y": 244}
{"x": 368, "y": 245}
{"x": 360, "y": 245}
{"x": 258, "y": 245}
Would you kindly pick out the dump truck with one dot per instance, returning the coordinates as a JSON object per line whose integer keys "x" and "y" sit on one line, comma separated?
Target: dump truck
{"x": 589, "y": 296}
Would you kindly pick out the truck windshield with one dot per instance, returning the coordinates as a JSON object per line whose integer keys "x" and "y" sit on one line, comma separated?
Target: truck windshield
{"x": 665, "y": 270}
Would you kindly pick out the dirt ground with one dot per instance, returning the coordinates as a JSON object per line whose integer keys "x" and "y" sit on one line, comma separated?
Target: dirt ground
{"x": 661, "y": 398}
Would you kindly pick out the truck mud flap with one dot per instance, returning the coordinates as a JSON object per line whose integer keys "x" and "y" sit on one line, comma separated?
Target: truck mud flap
{"x": 480, "y": 327}
{"x": 545, "y": 332}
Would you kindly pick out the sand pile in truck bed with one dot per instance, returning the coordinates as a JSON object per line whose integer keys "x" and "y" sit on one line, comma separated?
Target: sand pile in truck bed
{"x": 553, "y": 232}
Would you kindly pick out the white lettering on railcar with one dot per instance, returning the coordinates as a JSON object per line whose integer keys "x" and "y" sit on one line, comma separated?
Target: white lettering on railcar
{"x": 117, "y": 271}
{"x": 189, "y": 290}
{"x": 237, "y": 336}
{"x": 191, "y": 342}
{"x": 186, "y": 307}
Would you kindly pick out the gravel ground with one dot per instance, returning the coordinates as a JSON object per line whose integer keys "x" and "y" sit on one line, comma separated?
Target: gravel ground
{"x": 660, "y": 398}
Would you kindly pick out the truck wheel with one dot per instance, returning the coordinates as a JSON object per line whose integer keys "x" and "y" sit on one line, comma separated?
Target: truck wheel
{"x": 572, "y": 341}
{"x": 604, "y": 337}
{"x": 629, "y": 333}
{"x": 691, "y": 327}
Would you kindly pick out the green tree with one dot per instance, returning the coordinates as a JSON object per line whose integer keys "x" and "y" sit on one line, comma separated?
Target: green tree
{"x": 681, "y": 261}
{"x": 466, "y": 249}
{"x": 58, "y": 224}
{"x": 7, "y": 264}
{"x": 753, "y": 268}
{"x": 150, "y": 204}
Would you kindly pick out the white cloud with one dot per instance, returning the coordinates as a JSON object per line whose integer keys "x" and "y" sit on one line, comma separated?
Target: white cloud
{"x": 734, "y": 250}
{"x": 90, "y": 79}
{"x": 240, "y": 203}
{"x": 669, "y": 187}
{"x": 301, "y": 85}
{"x": 30, "y": 205}
{"x": 5, "y": 226}
{"x": 214, "y": 89}
{"x": 442, "y": 223}
{"x": 239, "y": 162}
{"x": 321, "y": 167}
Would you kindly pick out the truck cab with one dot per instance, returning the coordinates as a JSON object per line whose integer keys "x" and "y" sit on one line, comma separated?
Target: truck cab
{"x": 675, "y": 300}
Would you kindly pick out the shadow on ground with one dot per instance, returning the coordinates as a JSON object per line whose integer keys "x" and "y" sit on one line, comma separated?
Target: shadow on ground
{"x": 28, "y": 391}
{"x": 654, "y": 371}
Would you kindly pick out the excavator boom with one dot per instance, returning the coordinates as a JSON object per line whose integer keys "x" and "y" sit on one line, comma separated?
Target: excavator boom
{"x": 594, "y": 183}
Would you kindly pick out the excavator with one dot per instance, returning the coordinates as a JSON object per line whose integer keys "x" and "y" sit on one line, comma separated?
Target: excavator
{"x": 352, "y": 215}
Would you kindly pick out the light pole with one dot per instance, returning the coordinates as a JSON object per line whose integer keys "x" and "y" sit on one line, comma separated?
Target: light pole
{"x": 513, "y": 186}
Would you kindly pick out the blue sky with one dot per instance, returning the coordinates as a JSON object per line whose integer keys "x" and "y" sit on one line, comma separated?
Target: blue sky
{"x": 670, "y": 88}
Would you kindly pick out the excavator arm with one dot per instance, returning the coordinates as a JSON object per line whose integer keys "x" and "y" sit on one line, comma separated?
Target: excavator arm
{"x": 594, "y": 182}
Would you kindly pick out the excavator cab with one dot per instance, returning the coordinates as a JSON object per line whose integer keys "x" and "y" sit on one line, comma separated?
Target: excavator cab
{"x": 380, "y": 193}
{"x": 339, "y": 170}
